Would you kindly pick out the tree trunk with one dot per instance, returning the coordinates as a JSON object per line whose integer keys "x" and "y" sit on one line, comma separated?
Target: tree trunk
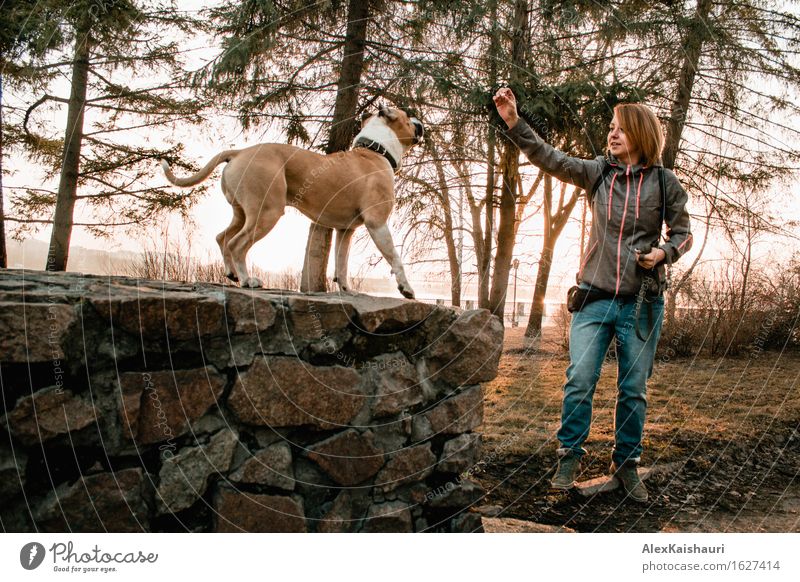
{"x": 476, "y": 230}
{"x": 696, "y": 35}
{"x": 534, "y": 328}
{"x": 315, "y": 263}
{"x": 3, "y": 253}
{"x": 505, "y": 230}
{"x": 343, "y": 129}
{"x": 510, "y": 170}
{"x": 449, "y": 239}
{"x": 554, "y": 223}
{"x": 58, "y": 255}
{"x": 484, "y": 257}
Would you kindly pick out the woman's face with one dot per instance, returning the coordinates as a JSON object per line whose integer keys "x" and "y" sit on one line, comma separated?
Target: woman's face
{"x": 619, "y": 145}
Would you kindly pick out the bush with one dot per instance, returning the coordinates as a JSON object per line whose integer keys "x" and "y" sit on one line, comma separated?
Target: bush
{"x": 723, "y": 316}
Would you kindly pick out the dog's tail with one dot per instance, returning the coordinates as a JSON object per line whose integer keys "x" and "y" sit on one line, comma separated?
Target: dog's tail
{"x": 225, "y": 156}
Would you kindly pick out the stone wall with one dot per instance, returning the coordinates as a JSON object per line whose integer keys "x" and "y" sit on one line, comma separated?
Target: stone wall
{"x": 132, "y": 405}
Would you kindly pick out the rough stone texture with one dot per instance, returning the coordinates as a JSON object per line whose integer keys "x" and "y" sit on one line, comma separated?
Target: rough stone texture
{"x": 48, "y": 413}
{"x": 393, "y": 516}
{"x": 606, "y": 483}
{"x": 158, "y": 406}
{"x": 103, "y": 502}
{"x": 237, "y": 511}
{"x": 510, "y": 525}
{"x": 469, "y": 351}
{"x": 394, "y": 382}
{"x": 468, "y": 522}
{"x": 317, "y": 316}
{"x": 151, "y": 314}
{"x": 460, "y": 453}
{"x": 406, "y": 466}
{"x": 421, "y": 428}
{"x": 249, "y": 310}
{"x": 460, "y": 413}
{"x": 393, "y": 436}
{"x": 271, "y": 467}
{"x": 183, "y": 479}
{"x": 458, "y": 495}
{"x": 382, "y": 313}
{"x": 314, "y": 485}
{"x": 349, "y": 457}
{"x": 211, "y": 401}
{"x": 33, "y": 332}
{"x": 283, "y": 391}
{"x": 346, "y": 513}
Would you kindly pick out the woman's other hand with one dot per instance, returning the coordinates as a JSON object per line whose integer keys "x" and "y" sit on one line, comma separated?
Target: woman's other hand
{"x": 506, "y": 105}
{"x": 651, "y": 259}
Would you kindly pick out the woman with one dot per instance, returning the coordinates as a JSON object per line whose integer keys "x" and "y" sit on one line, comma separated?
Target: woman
{"x": 625, "y": 194}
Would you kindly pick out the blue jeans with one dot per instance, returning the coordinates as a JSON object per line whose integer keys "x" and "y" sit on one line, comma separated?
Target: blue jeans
{"x": 590, "y": 336}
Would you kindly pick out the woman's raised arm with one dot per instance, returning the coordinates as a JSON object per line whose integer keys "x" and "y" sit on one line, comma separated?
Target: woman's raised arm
{"x": 576, "y": 171}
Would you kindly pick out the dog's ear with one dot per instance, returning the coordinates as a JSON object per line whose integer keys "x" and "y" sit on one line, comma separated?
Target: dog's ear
{"x": 384, "y": 111}
{"x": 419, "y": 130}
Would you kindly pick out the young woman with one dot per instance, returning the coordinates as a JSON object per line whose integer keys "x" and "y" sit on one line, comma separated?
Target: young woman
{"x": 624, "y": 191}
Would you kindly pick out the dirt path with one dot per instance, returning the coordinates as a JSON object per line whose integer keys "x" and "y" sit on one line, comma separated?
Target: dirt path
{"x": 732, "y": 425}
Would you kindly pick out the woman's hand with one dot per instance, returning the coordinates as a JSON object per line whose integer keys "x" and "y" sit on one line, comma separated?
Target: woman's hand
{"x": 506, "y": 105}
{"x": 651, "y": 259}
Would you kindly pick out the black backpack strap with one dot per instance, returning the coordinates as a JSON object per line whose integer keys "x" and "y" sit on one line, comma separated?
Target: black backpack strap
{"x": 662, "y": 185}
{"x": 600, "y": 179}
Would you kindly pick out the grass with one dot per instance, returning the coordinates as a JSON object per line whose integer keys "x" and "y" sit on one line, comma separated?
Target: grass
{"x": 723, "y": 398}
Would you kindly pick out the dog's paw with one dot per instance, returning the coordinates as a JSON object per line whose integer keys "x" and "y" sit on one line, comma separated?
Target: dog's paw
{"x": 252, "y": 282}
{"x": 407, "y": 292}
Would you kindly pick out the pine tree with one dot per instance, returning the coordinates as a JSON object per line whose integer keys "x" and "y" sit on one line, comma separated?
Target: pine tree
{"x": 27, "y": 33}
{"x": 124, "y": 77}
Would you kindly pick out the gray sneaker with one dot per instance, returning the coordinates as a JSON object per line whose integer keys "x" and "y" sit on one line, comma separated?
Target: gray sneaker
{"x": 568, "y": 467}
{"x": 628, "y": 476}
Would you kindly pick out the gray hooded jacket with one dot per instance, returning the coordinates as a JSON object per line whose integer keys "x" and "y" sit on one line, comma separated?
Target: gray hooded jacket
{"x": 626, "y": 212}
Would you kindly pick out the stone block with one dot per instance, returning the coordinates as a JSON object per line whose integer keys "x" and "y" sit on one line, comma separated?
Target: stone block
{"x": 349, "y": 457}
{"x": 159, "y": 406}
{"x": 460, "y": 453}
{"x": 34, "y": 332}
{"x": 183, "y": 478}
{"x": 281, "y": 391}
{"x": 271, "y": 466}
{"x": 456, "y": 414}
{"x": 390, "y": 517}
{"x": 406, "y": 466}
{"x": 237, "y": 511}
{"x": 115, "y": 502}
{"x": 48, "y": 413}
{"x": 468, "y": 352}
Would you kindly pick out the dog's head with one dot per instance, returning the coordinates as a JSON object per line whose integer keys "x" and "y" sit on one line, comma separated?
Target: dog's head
{"x": 409, "y": 130}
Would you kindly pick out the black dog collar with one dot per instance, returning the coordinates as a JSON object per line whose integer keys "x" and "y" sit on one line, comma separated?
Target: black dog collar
{"x": 364, "y": 142}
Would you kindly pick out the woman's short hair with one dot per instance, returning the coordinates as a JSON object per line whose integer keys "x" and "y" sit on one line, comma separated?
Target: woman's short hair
{"x": 643, "y": 130}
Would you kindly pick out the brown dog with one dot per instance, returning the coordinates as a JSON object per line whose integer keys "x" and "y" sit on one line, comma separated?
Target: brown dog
{"x": 341, "y": 191}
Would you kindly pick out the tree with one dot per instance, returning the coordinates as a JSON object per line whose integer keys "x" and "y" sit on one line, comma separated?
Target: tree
{"x": 343, "y": 130}
{"x": 27, "y": 33}
{"x": 109, "y": 41}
